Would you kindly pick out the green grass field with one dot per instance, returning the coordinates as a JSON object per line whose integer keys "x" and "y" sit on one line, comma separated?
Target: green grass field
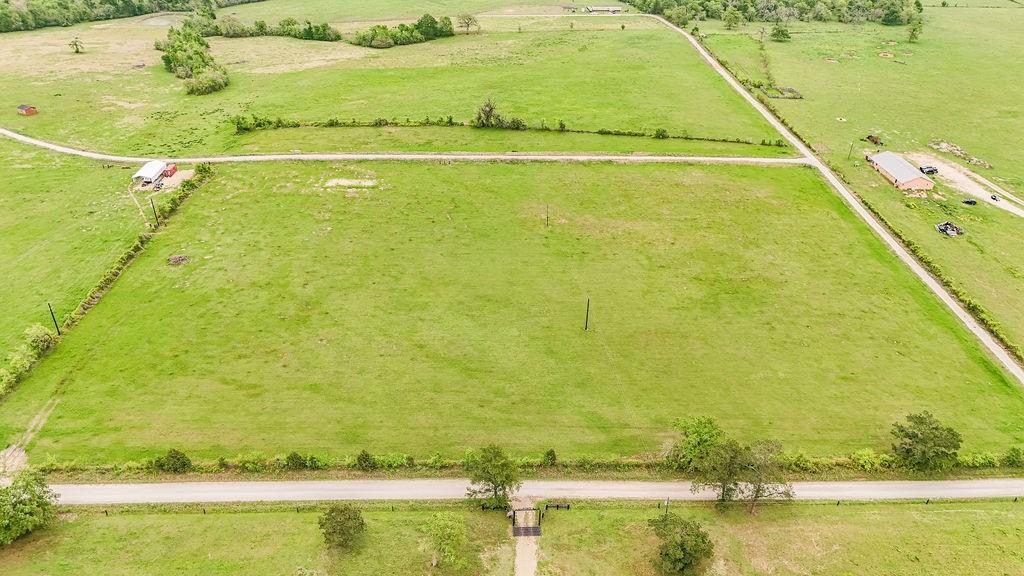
{"x": 903, "y": 539}
{"x": 233, "y": 541}
{"x": 63, "y": 222}
{"x": 594, "y": 77}
{"x": 436, "y": 312}
{"x": 338, "y": 11}
{"x": 851, "y": 91}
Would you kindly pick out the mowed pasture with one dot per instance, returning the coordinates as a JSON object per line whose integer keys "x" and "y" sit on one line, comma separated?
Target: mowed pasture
{"x": 342, "y": 11}
{"x": 63, "y": 222}
{"x": 952, "y": 85}
{"x": 230, "y": 541}
{"x": 937, "y": 539}
{"x": 428, "y": 308}
{"x": 116, "y": 97}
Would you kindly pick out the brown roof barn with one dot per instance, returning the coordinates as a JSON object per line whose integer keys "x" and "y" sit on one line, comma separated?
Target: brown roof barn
{"x": 26, "y": 110}
{"x": 901, "y": 173}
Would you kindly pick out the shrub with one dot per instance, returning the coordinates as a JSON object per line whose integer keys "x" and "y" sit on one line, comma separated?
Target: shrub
{"x": 393, "y": 461}
{"x": 25, "y": 505}
{"x": 175, "y": 462}
{"x": 39, "y": 338}
{"x": 978, "y": 460}
{"x": 868, "y": 460}
{"x": 685, "y": 545}
{"x": 365, "y": 461}
{"x": 253, "y": 462}
{"x": 447, "y": 531}
{"x": 342, "y": 525}
{"x": 210, "y": 80}
{"x": 1014, "y": 458}
{"x": 21, "y": 359}
{"x": 699, "y": 437}
{"x": 295, "y": 461}
{"x": 550, "y": 459}
{"x": 661, "y": 134}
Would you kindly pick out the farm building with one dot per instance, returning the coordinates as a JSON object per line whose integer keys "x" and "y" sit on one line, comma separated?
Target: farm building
{"x": 901, "y": 173}
{"x": 150, "y": 172}
{"x": 26, "y": 110}
{"x": 604, "y": 9}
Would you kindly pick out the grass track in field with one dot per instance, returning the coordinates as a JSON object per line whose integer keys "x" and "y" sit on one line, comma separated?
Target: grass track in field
{"x": 437, "y": 312}
{"x": 939, "y": 539}
{"x": 256, "y": 543}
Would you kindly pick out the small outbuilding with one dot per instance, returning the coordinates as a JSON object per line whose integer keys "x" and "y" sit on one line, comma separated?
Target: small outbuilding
{"x": 901, "y": 173}
{"x": 151, "y": 172}
{"x": 26, "y": 110}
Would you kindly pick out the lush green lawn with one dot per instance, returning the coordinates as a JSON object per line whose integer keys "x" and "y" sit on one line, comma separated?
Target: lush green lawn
{"x": 63, "y": 222}
{"x": 233, "y": 542}
{"x": 902, "y": 539}
{"x": 116, "y": 97}
{"x": 437, "y": 312}
{"x": 951, "y": 86}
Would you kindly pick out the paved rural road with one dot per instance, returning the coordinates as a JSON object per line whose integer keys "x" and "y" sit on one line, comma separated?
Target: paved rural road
{"x": 298, "y": 491}
{"x": 987, "y": 340}
{"x": 412, "y": 156}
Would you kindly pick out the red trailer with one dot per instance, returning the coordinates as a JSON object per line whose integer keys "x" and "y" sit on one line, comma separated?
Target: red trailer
{"x": 170, "y": 170}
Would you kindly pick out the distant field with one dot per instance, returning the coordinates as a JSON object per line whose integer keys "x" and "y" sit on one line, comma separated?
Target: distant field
{"x": 910, "y": 99}
{"x": 360, "y": 10}
{"x": 938, "y": 539}
{"x": 436, "y": 312}
{"x": 232, "y": 542}
{"x": 117, "y": 98}
{"x": 63, "y": 222}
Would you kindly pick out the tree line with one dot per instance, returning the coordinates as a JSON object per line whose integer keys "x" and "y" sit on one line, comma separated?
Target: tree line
{"x": 682, "y": 12}
{"x": 425, "y": 29}
{"x": 33, "y": 14}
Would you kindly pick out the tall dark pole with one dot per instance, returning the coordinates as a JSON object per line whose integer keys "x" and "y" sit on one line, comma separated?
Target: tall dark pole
{"x": 586, "y": 321}
{"x": 155, "y": 216}
{"x": 54, "y": 318}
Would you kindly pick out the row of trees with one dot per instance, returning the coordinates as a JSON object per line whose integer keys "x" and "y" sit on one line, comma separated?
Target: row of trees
{"x": 32, "y": 14}
{"x": 425, "y": 29}
{"x": 682, "y": 12}
{"x": 232, "y": 27}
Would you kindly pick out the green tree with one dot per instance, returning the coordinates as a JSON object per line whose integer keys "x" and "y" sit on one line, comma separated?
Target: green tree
{"x": 915, "y": 28}
{"x": 923, "y": 443}
{"x": 699, "y": 437}
{"x": 493, "y": 476}
{"x": 76, "y": 45}
{"x": 428, "y": 26}
{"x": 25, "y": 505}
{"x": 467, "y": 21}
{"x": 679, "y": 15}
{"x": 550, "y": 458}
{"x": 365, "y": 461}
{"x": 732, "y": 18}
{"x": 764, "y": 476}
{"x": 685, "y": 545}
{"x": 722, "y": 470}
{"x": 342, "y": 525}
{"x": 447, "y": 531}
{"x": 780, "y": 33}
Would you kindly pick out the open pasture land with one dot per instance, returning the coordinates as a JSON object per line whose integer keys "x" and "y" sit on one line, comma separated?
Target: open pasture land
{"x": 231, "y": 541}
{"x": 937, "y": 539}
{"x": 426, "y": 308}
{"x": 341, "y": 11}
{"x": 63, "y": 222}
{"x": 954, "y": 85}
{"x": 116, "y": 97}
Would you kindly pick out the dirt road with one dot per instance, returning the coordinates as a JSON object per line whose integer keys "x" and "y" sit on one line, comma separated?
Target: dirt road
{"x": 970, "y": 183}
{"x": 412, "y": 156}
{"x": 533, "y": 490}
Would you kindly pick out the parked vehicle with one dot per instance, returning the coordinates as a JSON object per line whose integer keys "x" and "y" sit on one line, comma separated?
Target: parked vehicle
{"x": 995, "y": 198}
{"x": 929, "y": 170}
{"x": 970, "y": 201}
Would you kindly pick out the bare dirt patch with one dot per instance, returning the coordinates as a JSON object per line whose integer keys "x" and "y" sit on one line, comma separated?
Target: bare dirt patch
{"x": 13, "y": 459}
{"x": 969, "y": 182}
{"x": 351, "y": 183}
{"x": 886, "y": 54}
